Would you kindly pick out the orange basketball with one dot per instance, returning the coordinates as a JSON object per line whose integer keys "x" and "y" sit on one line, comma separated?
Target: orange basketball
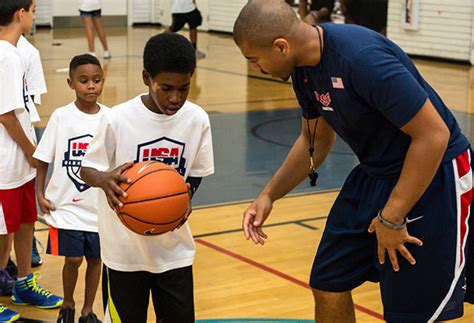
{"x": 157, "y": 199}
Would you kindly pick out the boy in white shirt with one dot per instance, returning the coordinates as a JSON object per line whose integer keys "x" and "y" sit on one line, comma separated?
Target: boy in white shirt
{"x": 17, "y": 167}
{"x": 69, "y": 204}
{"x": 159, "y": 125}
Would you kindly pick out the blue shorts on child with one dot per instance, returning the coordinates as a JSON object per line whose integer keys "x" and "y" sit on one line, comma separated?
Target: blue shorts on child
{"x": 72, "y": 243}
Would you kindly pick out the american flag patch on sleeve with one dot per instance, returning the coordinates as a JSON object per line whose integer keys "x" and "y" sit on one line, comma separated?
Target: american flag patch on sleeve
{"x": 337, "y": 83}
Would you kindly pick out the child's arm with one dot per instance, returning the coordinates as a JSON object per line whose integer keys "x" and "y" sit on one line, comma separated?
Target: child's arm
{"x": 194, "y": 183}
{"x": 108, "y": 182}
{"x": 14, "y": 129}
{"x": 45, "y": 205}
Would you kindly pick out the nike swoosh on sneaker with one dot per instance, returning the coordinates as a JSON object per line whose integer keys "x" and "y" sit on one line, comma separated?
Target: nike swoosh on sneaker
{"x": 76, "y": 200}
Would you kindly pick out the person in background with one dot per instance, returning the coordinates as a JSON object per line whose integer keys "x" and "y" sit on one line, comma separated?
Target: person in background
{"x": 91, "y": 15}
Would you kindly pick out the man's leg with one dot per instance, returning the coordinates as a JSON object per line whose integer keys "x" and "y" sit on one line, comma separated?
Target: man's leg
{"x": 333, "y": 307}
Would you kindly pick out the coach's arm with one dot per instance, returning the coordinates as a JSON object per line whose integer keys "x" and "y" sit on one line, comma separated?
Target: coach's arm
{"x": 292, "y": 172}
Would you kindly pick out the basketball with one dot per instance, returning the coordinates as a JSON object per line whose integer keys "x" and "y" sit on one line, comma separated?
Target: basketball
{"x": 157, "y": 201}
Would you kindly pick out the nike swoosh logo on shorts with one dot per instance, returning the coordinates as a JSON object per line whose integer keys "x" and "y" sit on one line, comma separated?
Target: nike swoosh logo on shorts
{"x": 76, "y": 200}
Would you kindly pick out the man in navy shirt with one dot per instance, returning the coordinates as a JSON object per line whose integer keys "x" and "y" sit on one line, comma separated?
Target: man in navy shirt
{"x": 402, "y": 216}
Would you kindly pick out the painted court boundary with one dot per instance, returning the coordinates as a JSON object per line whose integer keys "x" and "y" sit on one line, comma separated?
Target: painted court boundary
{"x": 276, "y": 273}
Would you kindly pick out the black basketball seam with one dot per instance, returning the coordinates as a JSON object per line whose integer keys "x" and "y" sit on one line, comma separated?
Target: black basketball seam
{"x": 156, "y": 198}
{"x": 146, "y": 222}
{"x": 155, "y": 171}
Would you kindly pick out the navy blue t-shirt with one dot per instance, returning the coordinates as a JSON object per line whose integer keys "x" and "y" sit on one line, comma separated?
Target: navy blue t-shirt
{"x": 367, "y": 88}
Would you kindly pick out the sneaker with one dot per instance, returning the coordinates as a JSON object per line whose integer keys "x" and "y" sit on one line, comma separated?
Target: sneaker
{"x": 107, "y": 54}
{"x": 12, "y": 269}
{"x": 66, "y": 315}
{"x": 27, "y": 291}
{"x": 7, "y": 315}
{"x": 6, "y": 283}
{"x": 35, "y": 257}
{"x": 90, "y": 318}
{"x": 199, "y": 54}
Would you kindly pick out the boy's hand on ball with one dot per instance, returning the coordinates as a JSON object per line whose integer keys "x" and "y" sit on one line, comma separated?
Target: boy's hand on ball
{"x": 110, "y": 184}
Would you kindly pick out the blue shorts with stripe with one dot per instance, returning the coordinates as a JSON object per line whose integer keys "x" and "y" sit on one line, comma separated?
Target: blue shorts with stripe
{"x": 434, "y": 288}
{"x": 73, "y": 243}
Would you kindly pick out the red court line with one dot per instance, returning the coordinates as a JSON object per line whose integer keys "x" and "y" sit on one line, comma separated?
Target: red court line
{"x": 277, "y": 273}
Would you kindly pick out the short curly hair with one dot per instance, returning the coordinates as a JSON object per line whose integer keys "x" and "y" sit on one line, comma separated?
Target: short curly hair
{"x": 169, "y": 52}
{"x": 83, "y": 59}
{"x": 9, "y": 7}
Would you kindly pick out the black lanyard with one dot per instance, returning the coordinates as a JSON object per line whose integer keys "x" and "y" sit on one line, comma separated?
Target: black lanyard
{"x": 313, "y": 175}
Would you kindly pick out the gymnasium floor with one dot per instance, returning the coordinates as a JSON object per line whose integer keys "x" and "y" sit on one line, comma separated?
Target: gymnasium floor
{"x": 254, "y": 121}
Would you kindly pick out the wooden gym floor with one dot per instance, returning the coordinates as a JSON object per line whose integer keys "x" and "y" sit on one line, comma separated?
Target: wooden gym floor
{"x": 233, "y": 277}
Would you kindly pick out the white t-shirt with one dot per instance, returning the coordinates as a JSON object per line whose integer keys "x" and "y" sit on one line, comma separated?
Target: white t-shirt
{"x": 131, "y": 132}
{"x": 31, "y": 60}
{"x": 183, "y": 6}
{"x": 89, "y": 5}
{"x": 14, "y": 167}
{"x": 65, "y": 141}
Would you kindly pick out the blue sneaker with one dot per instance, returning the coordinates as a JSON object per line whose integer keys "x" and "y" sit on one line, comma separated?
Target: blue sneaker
{"x": 6, "y": 283}
{"x": 35, "y": 257}
{"x": 28, "y": 292}
{"x": 7, "y": 315}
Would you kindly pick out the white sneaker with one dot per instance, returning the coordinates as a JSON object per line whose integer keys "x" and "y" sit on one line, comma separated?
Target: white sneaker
{"x": 200, "y": 54}
{"x": 107, "y": 54}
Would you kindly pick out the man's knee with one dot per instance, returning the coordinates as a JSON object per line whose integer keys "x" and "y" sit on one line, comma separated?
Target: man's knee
{"x": 321, "y": 296}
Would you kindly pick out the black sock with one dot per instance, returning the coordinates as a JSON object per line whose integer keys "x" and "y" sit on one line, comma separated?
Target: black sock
{"x": 194, "y": 45}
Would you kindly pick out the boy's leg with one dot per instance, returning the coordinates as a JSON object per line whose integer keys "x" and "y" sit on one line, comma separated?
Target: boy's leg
{"x": 173, "y": 296}
{"x": 100, "y": 32}
{"x": 22, "y": 246}
{"x": 92, "y": 282}
{"x": 178, "y": 22}
{"x": 194, "y": 20}
{"x": 6, "y": 280}
{"x": 5, "y": 249}
{"x": 128, "y": 295}
{"x": 70, "y": 274}
{"x": 89, "y": 27}
{"x": 94, "y": 264}
{"x": 26, "y": 290}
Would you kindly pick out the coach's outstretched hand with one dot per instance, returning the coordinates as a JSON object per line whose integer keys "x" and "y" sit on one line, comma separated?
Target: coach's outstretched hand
{"x": 255, "y": 216}
{"x": 392, "y": 241}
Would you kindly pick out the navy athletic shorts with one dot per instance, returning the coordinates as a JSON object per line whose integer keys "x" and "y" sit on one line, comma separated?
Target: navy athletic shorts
{"x": 434, "y": 288}
{"x": 72, "y": 243}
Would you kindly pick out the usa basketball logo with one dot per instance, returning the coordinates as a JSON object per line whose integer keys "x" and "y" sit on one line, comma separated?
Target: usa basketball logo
{"x": 165, "y": 150}
{"x": 77, "y": 148}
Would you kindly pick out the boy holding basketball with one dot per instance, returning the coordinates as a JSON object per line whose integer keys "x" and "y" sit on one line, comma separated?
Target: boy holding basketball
{"x": 69, "y": 204}
{"x": 159, "y": 125}
{"x": 17, "y": 167}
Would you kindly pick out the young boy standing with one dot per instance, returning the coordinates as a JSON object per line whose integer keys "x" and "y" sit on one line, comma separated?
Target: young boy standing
{"x": 159, "y": 125}
{"x": 186, "y": 12}
{"x": 69, "y": 204}
{"x": 17, "y": 167}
